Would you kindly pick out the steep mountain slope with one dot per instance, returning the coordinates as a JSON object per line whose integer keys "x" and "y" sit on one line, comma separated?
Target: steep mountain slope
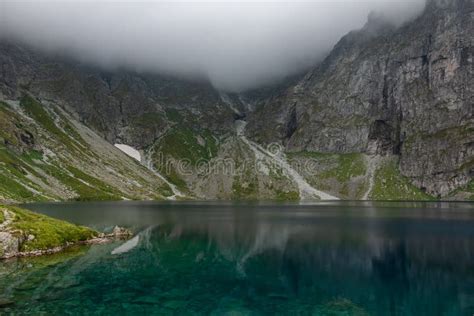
{"x": 406, "y": 92}
{"x": 387, "y": 115}
{"x": 185, "y": 129}
{"x": 47, "y": 155}
{"x": 122, "y": 106}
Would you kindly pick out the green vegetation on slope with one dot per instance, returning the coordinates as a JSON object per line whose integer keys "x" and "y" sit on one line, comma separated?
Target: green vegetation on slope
{"x": 40, "y": 232}
{"x": 45, "y": 155}
{"x": 16, "y": 169}
{"x": 245, "y": 187}
{"x": 349, "y": 166}
{"x": 339, "y": 174}
{"x": 345, "y": 166}
{"x": 11, "y": 168}
{"x": 466, "y": 193}
{"x": 87, "y": 188}
{"x": 287, "y": 195}
{"x": 470, "y": 189}
{"x": 184, "y": 146}
{"x": 346, "y": 175}
{"x": 16, "y": 149}
{"x": 12, "y": 190}
{"x": 37, "y": 112}
{"x": 391, "y": 185}
{"x": 184, "y": 143}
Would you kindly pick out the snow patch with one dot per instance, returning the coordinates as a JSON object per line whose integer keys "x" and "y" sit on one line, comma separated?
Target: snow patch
{"x": 130, "y": 151}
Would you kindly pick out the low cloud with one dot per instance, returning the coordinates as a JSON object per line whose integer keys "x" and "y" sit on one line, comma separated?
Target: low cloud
{"x": 236, "y": 45}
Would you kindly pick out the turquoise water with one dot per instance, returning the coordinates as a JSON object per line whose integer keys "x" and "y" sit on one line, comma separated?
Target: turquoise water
{"x": 255, "y": 259}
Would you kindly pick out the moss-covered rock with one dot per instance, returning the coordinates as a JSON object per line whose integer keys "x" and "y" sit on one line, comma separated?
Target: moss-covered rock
{"x": 28, "y": 232}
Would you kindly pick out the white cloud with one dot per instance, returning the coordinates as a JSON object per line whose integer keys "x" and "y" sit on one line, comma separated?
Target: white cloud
{"x": 237, "y": 45}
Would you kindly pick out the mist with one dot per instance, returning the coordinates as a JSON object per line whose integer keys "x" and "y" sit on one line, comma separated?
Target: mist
{"x": 235, "y": 45}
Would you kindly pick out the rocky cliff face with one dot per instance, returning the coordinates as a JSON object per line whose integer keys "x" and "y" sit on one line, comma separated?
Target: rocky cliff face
{"x": 45, "y": 155}
{"x": 170, "y": 121}
{"x": 388, "y": 108}
{"x": 407, "y": 92}
{"x": 167, "y": 119}
{"x": 122, "y": 106}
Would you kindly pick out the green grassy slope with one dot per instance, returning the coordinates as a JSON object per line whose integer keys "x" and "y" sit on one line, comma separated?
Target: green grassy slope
{"x": 47, "y": 155}
{"x": 348, "y": 176}
{"x": 391, "y": 185}
{"x": 209, "y": 167}
{"x": 341, "y": 175}
{"x": 39, "y": 232}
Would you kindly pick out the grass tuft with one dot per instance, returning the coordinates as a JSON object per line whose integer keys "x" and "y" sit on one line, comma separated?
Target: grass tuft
{"x": 47, "y": 232}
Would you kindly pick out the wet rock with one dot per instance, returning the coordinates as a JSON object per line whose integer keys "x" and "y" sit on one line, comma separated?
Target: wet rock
{"x": 9, "y": 245}
{"x": 121, "y": 232}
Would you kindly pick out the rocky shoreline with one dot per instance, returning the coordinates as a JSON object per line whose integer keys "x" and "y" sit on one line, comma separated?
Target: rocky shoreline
{"x": 119, "y": 233}
{"x": 27, "y": 234}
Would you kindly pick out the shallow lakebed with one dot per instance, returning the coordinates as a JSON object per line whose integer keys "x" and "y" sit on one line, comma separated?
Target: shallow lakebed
{"x": 334, "y": 258}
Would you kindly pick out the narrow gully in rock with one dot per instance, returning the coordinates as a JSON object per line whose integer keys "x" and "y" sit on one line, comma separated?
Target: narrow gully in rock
{"x": 372, "y": 165}
{"x": 148, "y": 162}
{"x": 306, "y": 191}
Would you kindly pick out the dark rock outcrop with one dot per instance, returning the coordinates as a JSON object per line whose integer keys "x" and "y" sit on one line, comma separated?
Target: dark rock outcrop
{"x": 123, "y": 106}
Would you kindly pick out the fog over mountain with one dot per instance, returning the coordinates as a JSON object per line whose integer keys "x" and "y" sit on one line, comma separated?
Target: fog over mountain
{"x": 236, "y": 45}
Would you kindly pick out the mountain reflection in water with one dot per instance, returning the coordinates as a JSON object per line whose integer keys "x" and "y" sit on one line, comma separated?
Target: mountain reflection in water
{"x": 215, "y": 258}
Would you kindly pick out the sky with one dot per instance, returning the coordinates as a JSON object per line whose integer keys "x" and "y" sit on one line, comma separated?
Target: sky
{"x": 237, "y": 45}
